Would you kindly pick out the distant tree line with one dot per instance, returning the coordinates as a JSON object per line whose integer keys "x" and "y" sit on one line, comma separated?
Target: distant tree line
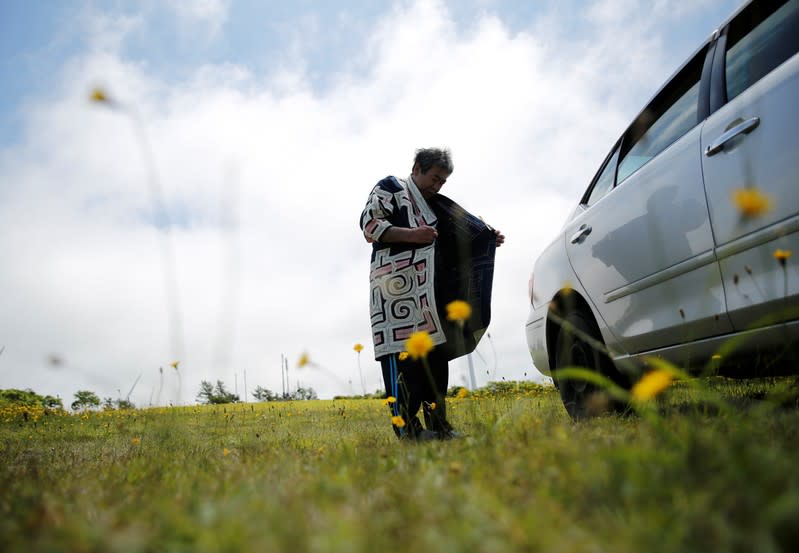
{"x": 84, "y": 399}
{"x": 29, "y": 398}
{"x": 377, "y": 394}
{"x": 215, "y": 394}
{"x": 112, "y": 404}
{"x": 301, "y": 393}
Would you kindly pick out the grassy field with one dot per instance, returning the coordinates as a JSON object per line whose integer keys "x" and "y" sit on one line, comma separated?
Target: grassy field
{"x": 690, "y": 475}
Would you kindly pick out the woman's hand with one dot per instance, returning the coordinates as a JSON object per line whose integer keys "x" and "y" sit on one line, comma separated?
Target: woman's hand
{"x": 500, "y": 237}
{"x": 417, "y": 235}
{"x": 424, "y": 234}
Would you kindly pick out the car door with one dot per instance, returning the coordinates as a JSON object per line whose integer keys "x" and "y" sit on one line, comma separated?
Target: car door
{"x": 751, "y": 142}
{"x": 644, "y": 251}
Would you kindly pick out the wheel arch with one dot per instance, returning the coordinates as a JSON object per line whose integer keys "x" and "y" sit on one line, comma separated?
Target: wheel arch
{"x": 564, "y": 302}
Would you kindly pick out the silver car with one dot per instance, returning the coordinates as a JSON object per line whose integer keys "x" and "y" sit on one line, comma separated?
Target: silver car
{"x": 681, "y": 245}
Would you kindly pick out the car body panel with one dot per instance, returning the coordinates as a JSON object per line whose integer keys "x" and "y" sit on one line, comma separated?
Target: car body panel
{"x": 713, "y": 352}
{"x": 535, "y": 331}
{"x": 648, "y": 264}
{"x": 545, "y": 287}
{"x": 557, "y": 281}
{"x": 766, "y": 159}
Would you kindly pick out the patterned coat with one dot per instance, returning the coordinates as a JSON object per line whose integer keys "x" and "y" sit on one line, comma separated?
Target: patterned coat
{"x": 401, "y": 276}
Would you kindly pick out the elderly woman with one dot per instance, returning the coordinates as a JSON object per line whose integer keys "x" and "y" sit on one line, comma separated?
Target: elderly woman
{"x": 425, "y": 249}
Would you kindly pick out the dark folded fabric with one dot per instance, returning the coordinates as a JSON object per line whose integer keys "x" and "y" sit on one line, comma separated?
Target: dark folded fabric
{"x": 464, "y": 270}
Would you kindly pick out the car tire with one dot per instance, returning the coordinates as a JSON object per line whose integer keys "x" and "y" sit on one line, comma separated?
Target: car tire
{"x": 580, "y": 398}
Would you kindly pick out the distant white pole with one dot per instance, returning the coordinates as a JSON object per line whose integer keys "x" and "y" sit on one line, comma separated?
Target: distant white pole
{"x": 245, "y": 385}
{"x": 282, "y": 376}
{"x": 471, "y": 371}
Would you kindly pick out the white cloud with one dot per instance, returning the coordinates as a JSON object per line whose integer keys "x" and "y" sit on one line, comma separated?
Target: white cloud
{"x": 210, "y": 15}
{"x": 528, "y": 122}
{"x": 107, "y": 32}
{"x": 208, "y": 10}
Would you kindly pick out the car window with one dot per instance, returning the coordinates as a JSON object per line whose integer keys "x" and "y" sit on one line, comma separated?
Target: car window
{"x": 760, "y": 38}
{"x": 670, "y": 115}
{"x": 605, "y": 180}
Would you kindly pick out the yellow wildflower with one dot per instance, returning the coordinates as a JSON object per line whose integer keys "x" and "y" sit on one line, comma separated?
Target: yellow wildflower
{"x": 782, "y": 256}
{"x": 403, "y": 355}
{"x": 358, "y": 347}
{"x": 303, "y": 360}
{"x": 398, "y": 421}
{"x": 174, "y": 364}
{"x": 136, "y": 441}
{"x": 389, "y": 400}
{"x": 458, "y": 311}
{"x": 419, "y": 344}
{"x": 225, "y": 452}
{"x": 463, "y": 392}
{"x": 750, "y": 201}
{"x": 652, "y": 384}
{"x": 433, "y": 406}
{"x": 98, "y": 95}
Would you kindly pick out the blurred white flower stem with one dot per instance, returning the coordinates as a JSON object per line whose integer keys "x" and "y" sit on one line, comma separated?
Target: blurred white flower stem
{"x": 161, "y": 221}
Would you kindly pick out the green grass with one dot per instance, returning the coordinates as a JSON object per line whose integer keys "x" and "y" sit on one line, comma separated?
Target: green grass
{"x": 330, "y": 476}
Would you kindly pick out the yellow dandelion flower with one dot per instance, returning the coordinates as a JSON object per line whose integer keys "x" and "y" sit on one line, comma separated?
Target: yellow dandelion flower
{"x": 136, "y": 441}
{"x": 174, "y": 364}
{"x": 782, "y": 255}
{"x": 463, "y": 392}
{"x": 419, "y": 344}
{"x": 403, "y": 355}
{"x": 98, "y": 95}
{"x": 303, "y": 360}
{"x": 750, "y": 201}
{"x": 225, "y": 452}
{"x": 398, "y": 421}
{"x": 652, "y": 384}
{"x": 458, "y": 311}
{"x": 358, "y": 348}
{"x": 389, "y": 400}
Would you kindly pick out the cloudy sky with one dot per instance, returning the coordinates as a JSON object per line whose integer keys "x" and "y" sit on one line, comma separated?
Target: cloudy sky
{"x": 262, "y": 125}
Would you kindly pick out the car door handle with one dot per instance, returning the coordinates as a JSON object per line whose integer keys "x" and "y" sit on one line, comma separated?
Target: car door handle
{"x": 741, "y": 128}
{"x": 584, "y": 230}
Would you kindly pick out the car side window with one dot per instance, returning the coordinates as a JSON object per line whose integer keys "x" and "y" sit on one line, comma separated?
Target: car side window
{"x": 760, "y": 39}
{"x": 672, "y": 113}
{"x": 604, "y": 181}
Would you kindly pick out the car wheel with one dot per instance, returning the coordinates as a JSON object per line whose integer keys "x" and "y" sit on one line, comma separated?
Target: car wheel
{"x": 581, "y": 398}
